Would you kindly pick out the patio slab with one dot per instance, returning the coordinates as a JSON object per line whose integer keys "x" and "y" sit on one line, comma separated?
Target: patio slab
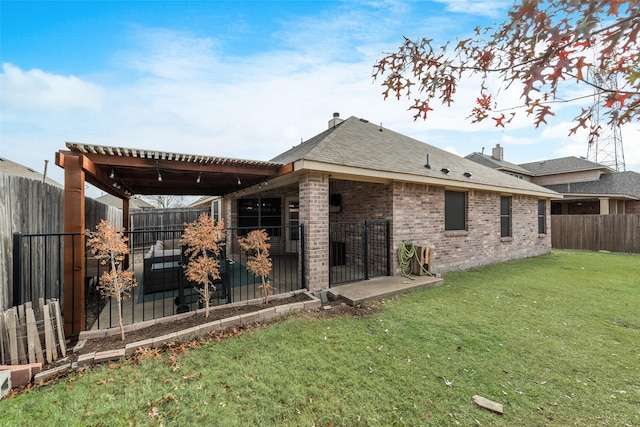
{"x": 380, "y": 287}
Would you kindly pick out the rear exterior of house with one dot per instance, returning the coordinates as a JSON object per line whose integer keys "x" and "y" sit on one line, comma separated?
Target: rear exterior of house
{"x": 361, "y": 190}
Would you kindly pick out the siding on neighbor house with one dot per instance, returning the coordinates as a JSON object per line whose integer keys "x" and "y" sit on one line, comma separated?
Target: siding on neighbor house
{"x": 632, "y": 207}
{"x": 419, "y": 217}
{"x": 568, "y": 177}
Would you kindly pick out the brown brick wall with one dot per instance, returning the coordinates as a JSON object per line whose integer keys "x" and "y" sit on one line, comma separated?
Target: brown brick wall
{"x": 314, "y": 214}
{"x": 362, "y": 201}
{"x": 418, "y": 216}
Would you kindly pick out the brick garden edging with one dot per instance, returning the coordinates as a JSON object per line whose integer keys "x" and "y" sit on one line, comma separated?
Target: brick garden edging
{"x": 188, "y": 334}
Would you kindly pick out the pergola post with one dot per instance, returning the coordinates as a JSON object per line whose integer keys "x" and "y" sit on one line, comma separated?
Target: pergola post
{"x": 126, "y": 224}
{"x": 74, "y": 256}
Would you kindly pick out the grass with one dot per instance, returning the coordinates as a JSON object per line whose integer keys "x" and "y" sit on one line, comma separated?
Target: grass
{"x": 555, "y": 339}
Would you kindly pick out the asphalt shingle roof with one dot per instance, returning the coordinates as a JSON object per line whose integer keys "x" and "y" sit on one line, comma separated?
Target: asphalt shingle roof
{"x": 618, "y": 183}
{"x": 492, "y": 163}
{"x": 16, "y": 169}
{"x": 357, "y": 143}
{"x": 561, "y": 165}
{"x": 134, "y": 202}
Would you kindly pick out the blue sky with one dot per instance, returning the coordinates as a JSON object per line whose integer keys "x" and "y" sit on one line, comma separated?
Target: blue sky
{"x": 234, "y": 79}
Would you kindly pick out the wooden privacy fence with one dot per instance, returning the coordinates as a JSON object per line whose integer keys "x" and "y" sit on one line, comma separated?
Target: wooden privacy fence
{"x": 615, "y": 233}
{"x": 31, "y": 207}
{"x": 28, "y": 336}
{"x": 152, "y": 221}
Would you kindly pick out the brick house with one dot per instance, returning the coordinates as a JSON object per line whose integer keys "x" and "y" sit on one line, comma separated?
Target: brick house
{"x": 585, "y": 187}
{"x": 355, "y": 171}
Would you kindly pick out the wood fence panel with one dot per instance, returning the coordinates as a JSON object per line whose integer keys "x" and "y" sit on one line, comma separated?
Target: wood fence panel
{"x": 39, "y": 336}
{"x": 615, "y": 233}
{"x": 30, "y": 206}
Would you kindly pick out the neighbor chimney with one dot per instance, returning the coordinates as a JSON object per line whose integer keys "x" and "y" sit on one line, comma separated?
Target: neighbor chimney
{"x": 497, "y": 153}
{"x": 335, "y": 120}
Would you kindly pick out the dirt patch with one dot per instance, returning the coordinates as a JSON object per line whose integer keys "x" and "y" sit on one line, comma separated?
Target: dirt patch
{"x": 114, "y": 342}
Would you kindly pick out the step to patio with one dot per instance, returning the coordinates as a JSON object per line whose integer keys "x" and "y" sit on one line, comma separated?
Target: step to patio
{"x": 381, "y": 287}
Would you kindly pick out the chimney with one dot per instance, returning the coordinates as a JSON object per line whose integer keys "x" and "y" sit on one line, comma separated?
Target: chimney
{"x": 335, "y": 120}
{"x": 497, "y": 153}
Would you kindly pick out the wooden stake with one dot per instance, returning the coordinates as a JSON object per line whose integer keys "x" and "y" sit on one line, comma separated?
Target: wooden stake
{"x": 10, "y": 320}
{"x": 3, "y": 334}
{"x": 485, "y": 403}
{"x": 55, "y": 308}
{"x": 48, "y": 335}
{"x": 32, "y": 335}
{"x": 21, "y": 317}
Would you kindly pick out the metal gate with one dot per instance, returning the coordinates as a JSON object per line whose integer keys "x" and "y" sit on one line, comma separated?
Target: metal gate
{"x": 358, "y": 251}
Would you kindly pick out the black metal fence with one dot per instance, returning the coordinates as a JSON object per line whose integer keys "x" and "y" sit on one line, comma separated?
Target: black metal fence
{"x": 157, "y": 261}
{"x": 359, "y": 251}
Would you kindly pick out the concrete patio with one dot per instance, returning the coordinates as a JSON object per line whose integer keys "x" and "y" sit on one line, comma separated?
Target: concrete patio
{"x": 381, "y": 287}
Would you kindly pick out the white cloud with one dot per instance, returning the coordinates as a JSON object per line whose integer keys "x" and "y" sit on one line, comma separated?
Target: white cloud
{"x": 36, "y": 90}
{"x": 495, "y": 8}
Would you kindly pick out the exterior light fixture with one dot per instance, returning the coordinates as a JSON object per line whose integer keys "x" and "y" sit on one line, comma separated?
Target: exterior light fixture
{"x": 445, "y": 171}
{"x": 467, "y": 174}
{"x": 112, "y": 174}
{"x": 199, "y": 175}
{"x": 159, "y": 176}
{"x": 239, "y": 182}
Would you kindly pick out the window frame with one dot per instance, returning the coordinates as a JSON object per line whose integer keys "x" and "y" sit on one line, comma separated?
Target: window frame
{"x": 453, "y": 201}
{"x": 260, "y": 213}
{"x": 506, "y": 204}
{"x": 542, "y": 216}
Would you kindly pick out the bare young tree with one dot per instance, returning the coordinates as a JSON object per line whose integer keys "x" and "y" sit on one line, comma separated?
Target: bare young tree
{"x": 541, "y": 45}
{"x": 259, "y": 263}
{"x": 110, "y": 246}
{"x": 203, "y": 239}
{"x": 165, "y": 201}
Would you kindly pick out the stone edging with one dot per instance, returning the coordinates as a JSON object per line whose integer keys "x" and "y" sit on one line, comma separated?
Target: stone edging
{"x": 262, "y": 315}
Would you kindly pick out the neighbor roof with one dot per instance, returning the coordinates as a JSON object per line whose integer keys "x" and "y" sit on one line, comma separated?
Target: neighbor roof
{"x": 562, "y": 165}
{"x": 135, "y": 203}
{"x": 16, "y": 169}
{"x": 357, "y": 147}
{"x": 625, "y": 184}
{"x": 492, "y": 163}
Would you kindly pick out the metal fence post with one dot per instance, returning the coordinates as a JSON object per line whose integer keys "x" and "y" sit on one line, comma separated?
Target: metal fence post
{"x": 388, "y": 239}
{"x": 302, "y": 258}
{"x": 365, "y": 255}
{"x": 17, "y": 269}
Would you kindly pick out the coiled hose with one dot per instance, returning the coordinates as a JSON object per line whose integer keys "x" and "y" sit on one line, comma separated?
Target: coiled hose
{"x": 406, "y": 252}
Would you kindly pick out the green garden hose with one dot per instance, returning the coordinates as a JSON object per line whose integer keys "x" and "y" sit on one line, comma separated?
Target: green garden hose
{"x": 406, "y": 252}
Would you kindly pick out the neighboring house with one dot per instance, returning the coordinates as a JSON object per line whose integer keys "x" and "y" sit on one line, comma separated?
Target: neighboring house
{"x": 15, "y": 169}
{"x": 356, "y": 171}
{"x": 586, "y": 187}
{"x": 496, "y": 161}
{"x": 135, "y": 203}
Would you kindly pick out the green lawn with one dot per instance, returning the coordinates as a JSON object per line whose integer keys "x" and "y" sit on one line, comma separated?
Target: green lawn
{"x": 555, "y": 339}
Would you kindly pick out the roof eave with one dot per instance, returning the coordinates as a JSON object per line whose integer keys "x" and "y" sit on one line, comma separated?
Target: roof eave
{"x": 350, "y": 172}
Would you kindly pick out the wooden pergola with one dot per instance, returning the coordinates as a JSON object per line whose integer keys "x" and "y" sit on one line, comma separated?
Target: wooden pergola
{"x": 124, "y": 172}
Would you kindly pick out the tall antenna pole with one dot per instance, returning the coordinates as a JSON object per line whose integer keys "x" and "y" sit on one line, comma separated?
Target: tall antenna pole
{"x": 605, "y": 139}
